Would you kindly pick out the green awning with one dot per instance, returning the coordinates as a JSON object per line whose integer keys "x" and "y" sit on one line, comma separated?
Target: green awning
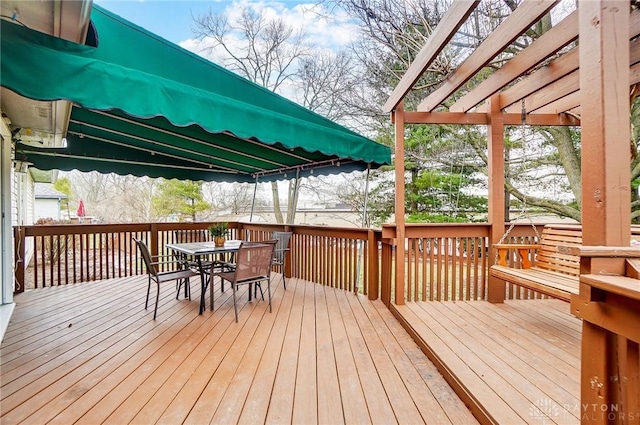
{"x": 144, "y": 106}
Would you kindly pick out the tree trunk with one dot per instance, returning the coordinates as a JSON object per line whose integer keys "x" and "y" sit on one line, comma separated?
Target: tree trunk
{"x": 569, "y": 158}
{"x": 277, "y": 211}
{"x": 292, "y": 200}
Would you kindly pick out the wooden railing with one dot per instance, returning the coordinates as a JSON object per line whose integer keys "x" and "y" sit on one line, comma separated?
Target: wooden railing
{"x": 446, "y": 262}
{"x": 442, "y": 262}
{"x": 345, "y": 258}
{"x": 64, "y": 254}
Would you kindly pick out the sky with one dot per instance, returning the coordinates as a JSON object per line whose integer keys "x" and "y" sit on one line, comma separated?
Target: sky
{"x": 172, "y": 19}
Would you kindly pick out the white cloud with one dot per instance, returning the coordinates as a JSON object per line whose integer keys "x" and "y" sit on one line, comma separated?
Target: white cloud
{"x": 324, "y": 29}
{"x": 208, "y": 50}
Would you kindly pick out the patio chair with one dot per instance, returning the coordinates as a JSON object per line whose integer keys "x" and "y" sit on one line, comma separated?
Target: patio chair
{"x": 160, "y": 277}
{"x": 253, "y": 266}
{"x": 280, "y": 252}
{"x": 231, "y": 265}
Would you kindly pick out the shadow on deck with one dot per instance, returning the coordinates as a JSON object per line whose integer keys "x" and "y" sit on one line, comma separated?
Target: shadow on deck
{"x": 90, "y": 353}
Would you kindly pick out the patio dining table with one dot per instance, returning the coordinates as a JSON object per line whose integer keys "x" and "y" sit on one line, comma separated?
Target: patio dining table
{"x": 198, "y": 250}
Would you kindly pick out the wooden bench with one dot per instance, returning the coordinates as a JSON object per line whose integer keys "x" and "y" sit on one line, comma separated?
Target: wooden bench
{"x": 555, "y": 268}
{"x": 551, "y": 272}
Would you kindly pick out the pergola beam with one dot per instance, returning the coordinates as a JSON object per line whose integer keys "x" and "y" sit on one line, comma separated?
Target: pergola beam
{"x": 449, "y": 25}
{"x": 572, "y": 101}
{"x": 512, "y": 27}
{"x": 567, "y": 103}
{"x": 476, "y": 118}
{"x": 558, "y": 69}
{"x": 548, "y": 44}
{"x": 566, "y": 64}
{"x": 552, "y": 92}
{"x": 566, "y": 86}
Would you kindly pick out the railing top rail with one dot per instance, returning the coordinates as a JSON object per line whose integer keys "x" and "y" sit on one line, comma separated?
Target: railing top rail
{"x": 440, "y": 230}
{"x": 59, "y": 229}
{"x": 305, "y": 229}
{"x": 332, "y": 232}
{"x": 409, "y": 225}
{"x": 471, "y": 225}
{"x": 197, "y": 225}
{"x": 62, "y": 229}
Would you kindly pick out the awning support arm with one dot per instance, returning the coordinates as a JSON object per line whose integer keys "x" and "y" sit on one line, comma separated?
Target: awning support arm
{"x": 365, "y": 219}
{"x": 253, "y": 201}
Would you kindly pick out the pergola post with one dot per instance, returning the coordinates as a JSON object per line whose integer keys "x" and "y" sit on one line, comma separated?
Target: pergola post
{"x": 604, "y": 88}
{"x": 399, "y": 206}
{"x": 495, "y": 167}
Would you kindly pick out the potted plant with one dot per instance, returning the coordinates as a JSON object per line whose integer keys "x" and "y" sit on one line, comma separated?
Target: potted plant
{"x": 219, "y": 230}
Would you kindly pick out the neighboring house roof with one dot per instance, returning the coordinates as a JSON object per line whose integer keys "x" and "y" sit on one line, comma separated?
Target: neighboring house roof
{"x": 46, "y": 191}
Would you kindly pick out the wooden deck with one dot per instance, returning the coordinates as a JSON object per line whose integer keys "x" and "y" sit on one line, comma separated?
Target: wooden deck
{"x": 512, "y": 363}
{"x": 90, "y": 353}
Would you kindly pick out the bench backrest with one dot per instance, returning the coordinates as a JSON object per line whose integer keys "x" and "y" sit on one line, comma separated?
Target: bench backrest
{"x": 548, "y": 257}
{"x": 554, "y": 235}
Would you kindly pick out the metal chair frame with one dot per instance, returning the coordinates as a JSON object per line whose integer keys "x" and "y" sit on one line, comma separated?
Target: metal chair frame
{"x": 253, "y": 266}
{"x": 280, "y": 252}
{"x": 160, "y": 277}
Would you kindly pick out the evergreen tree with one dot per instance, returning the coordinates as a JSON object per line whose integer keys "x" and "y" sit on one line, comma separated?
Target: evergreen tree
{"x": 181, "y": 198}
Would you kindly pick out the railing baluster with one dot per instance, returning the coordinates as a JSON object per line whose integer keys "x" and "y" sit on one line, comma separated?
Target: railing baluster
{"x": 35, "y": 262}
{"x": 443, "y": 262}
{"x": 120, "y": 238}
{"x": 51, "y": 262}
{"x": 58, "y": 255}
{"x": 66, "y": 259}
{"x": 470, "y": 243}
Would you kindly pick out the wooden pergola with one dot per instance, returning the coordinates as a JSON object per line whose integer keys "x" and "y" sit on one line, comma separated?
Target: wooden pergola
{"x": 587, "y": 86}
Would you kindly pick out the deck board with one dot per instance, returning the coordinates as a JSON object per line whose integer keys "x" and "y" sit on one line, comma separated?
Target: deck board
{"x": 354, "y": 406}
{"x": 256, "y": 404}
{"x": 328, "y": 381}
{"x": 322, "y": 356}
{"x": 404, "y": 407}
{"x": 282, "y": 396}
{"x": 305, "y": 405}
{"x": 517, "y": 362}
{"x": 381, "y": 411}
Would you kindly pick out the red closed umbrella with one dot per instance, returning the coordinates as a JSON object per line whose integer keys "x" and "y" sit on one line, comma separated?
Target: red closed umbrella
{"x": 81, "y": 213}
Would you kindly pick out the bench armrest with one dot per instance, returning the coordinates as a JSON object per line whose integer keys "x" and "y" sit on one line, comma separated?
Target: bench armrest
{"x": 523, "y": 252}
{"x": 601, "y": 251}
